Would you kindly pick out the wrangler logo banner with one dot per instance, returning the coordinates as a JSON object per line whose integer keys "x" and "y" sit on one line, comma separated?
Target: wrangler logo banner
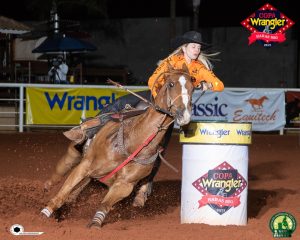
{"x": 267, "y": 26}
{"x": 66, "y": 106}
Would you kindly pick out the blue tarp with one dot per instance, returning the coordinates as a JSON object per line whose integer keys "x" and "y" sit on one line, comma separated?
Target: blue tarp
{"x": 64, "y": 44}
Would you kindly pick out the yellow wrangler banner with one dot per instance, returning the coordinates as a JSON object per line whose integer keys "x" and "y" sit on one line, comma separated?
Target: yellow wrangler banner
{"x": 217, "y": 133}
{"x": 66, "y": 106}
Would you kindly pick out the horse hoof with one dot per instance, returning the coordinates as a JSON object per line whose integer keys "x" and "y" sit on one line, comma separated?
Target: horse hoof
{"x": 97, "y": 220}
{"x": 46, "y": 213}
{"x": 139, "y": 201}
{"x": 47, "y": 186}
{"x": 142, "y": 195}
{"x": 94, "y": 225}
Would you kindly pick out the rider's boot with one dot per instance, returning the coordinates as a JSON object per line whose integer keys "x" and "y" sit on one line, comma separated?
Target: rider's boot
{"x": 86, "y": 129}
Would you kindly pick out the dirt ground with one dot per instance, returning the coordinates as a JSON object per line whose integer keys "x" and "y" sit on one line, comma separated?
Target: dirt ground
{"x": 28, "y": 159}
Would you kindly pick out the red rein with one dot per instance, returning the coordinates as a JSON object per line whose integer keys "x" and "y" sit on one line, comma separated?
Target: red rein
{"x": 148, "y": 140}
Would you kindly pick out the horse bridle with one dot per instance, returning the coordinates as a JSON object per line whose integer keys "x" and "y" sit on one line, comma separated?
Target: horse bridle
{"x": 170, "y": 101}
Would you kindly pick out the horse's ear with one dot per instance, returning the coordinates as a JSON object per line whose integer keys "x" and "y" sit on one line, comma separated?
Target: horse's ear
{"x": 185, "y": 68}
{"x": 169, "y": 66}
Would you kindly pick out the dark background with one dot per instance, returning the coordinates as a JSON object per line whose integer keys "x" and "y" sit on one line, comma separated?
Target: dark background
{"x": 212, "y": 13}
{"x": 119, "y": 27}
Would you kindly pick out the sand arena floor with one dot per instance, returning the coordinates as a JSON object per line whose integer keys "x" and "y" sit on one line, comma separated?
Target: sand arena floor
{"x": 28, "y": 159}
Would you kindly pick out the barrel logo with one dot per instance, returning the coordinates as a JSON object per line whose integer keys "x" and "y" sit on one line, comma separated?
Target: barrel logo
{"x": 221, "y": 188}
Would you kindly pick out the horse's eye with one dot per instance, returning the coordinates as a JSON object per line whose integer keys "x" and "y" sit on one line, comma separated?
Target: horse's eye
{"x": 171, "y": 84}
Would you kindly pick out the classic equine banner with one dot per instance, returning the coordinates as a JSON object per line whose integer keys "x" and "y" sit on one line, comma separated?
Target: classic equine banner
{"x": 265, "y": 109}
{"x": 66, "y": 106}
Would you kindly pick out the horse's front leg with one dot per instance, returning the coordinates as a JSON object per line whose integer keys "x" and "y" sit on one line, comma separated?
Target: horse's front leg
{"x": 121, "y": 187}
{"x": 118, "y": 191}
{"x": 142, "y": 195}
{"x": 75, "y": 177}
{"x": 146, "y": 188}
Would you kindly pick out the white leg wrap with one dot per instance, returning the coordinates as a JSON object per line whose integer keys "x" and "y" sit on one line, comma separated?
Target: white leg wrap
{"x": 99, "y": 217}
{"x": 46, "y": 212}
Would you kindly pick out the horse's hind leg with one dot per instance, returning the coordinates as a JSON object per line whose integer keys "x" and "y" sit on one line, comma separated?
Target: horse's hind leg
{"x": 116, "y": 193}
{"x": 75, "y": 177}
{"x": 70, "y": 159}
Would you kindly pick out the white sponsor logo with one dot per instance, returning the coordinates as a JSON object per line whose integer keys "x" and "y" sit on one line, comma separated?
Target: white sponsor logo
{"x": 18, "y": 230}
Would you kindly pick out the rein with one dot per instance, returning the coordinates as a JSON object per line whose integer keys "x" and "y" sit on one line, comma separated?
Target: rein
{"x": 148, "y": 140}
{"x": 157, "y": 108}
{"x": 140, "y": 148}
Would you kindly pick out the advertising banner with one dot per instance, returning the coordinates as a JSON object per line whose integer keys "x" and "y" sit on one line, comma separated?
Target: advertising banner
{"x": 265, "y": 109}
{"x": 56, "y": 106}
{"x": 216, "y": 133}
{"x": 292, "y": 109}
{"x": 66, "y": 106}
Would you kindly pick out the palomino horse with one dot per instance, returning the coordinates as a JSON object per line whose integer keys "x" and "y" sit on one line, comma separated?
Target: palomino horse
{"x": 105, "y": 153}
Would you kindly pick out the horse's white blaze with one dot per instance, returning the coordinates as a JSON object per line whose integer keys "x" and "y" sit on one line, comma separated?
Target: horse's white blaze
{"x": 185, "y": 100}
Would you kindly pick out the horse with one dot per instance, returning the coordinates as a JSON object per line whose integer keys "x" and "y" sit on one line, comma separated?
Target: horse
{"x": 257, "y": 102}
{"x": 292, "y": 109}
{"x": 106, "y": 153}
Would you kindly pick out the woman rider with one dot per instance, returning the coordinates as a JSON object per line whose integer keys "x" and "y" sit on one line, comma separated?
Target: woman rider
{"x": 188, "y": 50}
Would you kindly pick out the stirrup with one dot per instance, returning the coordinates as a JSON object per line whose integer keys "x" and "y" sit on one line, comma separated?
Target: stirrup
{"x": 76, "y": 134}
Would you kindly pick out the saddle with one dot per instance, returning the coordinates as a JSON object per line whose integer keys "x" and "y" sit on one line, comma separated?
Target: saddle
{"x": 90, "y": 126}
{"x": 127, "y": 114}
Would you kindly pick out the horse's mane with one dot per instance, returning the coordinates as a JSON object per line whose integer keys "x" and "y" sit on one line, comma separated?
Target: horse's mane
{"x": 170, "y": 71}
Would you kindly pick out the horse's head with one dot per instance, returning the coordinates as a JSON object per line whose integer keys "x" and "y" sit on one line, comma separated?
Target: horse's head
{"x": 175, "y": 95}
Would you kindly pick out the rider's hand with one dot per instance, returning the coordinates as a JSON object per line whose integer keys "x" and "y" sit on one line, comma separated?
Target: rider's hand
{"x": 205, "y": 85}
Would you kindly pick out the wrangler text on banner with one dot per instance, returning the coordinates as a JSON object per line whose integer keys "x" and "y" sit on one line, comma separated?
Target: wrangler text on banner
{"x": 66, "y": 106}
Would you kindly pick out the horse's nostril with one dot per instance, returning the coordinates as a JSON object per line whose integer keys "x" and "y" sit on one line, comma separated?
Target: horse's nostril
{"x": 179, "y": 113}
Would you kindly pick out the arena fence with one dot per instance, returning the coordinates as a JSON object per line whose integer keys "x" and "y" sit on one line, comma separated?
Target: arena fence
{"x": 13, "y": 100}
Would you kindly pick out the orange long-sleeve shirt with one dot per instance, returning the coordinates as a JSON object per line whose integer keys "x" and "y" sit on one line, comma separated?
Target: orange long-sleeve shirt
{"x": 197, "y": 71}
